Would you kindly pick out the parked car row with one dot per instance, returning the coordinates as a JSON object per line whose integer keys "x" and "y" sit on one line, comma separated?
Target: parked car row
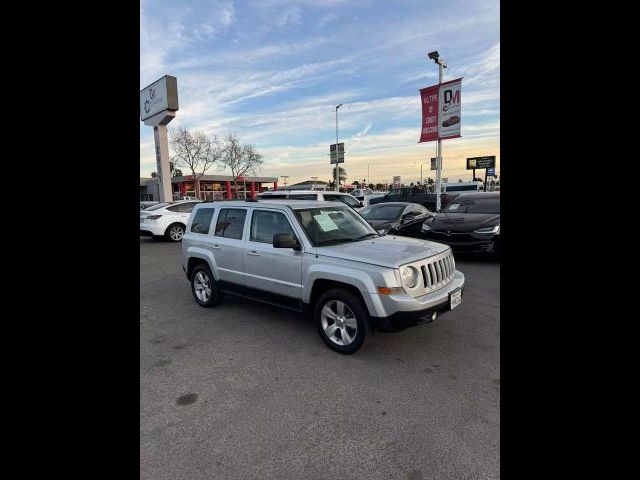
{"x": 469, "y": 223}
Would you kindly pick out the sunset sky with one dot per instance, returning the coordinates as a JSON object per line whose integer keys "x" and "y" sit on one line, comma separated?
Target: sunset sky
{"x": 272, "y": 71}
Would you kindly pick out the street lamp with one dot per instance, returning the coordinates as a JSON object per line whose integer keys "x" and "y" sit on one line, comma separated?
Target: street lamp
{"x": 285, "y": 180}
{"x": 336, "y": 185}
{"x": 435, "y": 56}
{"x": 423, "y": 163}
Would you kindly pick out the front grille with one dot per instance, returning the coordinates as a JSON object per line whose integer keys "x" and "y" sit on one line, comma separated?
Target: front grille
{"x": 437, "y": 271}
{"x": 452, "y": 237}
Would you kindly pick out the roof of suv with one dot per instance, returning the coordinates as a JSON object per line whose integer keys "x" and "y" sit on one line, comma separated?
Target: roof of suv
{"x": 296, "y": 192}
{"x": 294, "y": 204}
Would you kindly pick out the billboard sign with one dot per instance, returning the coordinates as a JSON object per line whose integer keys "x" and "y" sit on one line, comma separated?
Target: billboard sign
{"x": 441, "y": 111}
{"x": 340, "y": 154}
{"x": 161, "y": 95}
{"x": 481, "y": 162}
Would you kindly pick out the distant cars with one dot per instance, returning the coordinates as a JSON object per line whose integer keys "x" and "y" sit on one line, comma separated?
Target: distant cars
{"x": 166, "y": 220}
{"x": 399, "y": 218}
{"x": 417, "y": 194}
{"x": 317, "y": 195}
{"x": 470, "y": 224}
{"x": 451, "y": 121}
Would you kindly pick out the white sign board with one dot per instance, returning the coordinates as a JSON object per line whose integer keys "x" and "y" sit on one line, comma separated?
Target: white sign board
{"x": 161, "y": 95}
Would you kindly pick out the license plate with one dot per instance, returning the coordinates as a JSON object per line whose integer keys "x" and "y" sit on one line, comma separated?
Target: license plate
{"x": 455, "y": 299}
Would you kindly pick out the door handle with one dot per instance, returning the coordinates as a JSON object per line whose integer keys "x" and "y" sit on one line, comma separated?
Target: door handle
{"x": 215, "y": 245}
{"x": 253, "y": 252}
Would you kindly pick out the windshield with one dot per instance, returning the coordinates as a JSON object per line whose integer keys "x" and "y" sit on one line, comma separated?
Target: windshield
{"x": 156, "y": 207}
{"x": 382, "y": 212}
{"x": 469, "y": 204}
{"x": 328, "y": 225}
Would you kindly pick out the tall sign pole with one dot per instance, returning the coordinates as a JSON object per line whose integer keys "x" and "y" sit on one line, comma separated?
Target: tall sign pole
{"x": 337, "y": 151}
{"x": 439, "y": 148}
{"x": 158, "y": 106}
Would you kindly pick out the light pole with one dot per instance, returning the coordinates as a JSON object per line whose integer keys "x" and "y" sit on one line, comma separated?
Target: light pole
{"x": 314, "y": 183}
{"x": 285, "y": 180}
{"x": 337, "y": 151}
{"x": 435, "y": 56}
{"x": 423, "y": 163}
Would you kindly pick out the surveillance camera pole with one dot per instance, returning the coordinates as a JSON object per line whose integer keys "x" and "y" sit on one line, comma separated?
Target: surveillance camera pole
{"x": 441, "y": 67}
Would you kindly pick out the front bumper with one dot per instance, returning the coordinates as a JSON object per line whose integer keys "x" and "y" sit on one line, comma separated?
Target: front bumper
{"x": 466, "y": 243}
{"x": 403, "y": 308}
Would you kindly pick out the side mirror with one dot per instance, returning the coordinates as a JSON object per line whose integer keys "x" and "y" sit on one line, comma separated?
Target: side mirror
{"x": 360, "y": 204}
{"x": 286, "y": 240}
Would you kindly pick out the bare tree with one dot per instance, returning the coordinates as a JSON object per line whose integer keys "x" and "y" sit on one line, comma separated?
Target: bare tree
{"x": 194, "y": 151}
{"x": 239, "y": 158}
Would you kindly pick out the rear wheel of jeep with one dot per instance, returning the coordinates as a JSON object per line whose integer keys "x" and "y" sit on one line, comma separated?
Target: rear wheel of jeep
{"x": 342, "y": 320}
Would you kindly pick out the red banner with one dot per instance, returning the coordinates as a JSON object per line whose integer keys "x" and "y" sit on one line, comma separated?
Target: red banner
{"x": 429, "y": 98}
{"x": 441, "y": 111}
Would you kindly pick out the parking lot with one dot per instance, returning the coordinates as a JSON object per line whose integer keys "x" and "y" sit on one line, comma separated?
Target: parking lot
{"x": 250, "y": 391}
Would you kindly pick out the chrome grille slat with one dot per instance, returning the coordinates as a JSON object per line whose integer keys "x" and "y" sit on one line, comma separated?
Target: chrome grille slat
{"x": 436, "y": 272}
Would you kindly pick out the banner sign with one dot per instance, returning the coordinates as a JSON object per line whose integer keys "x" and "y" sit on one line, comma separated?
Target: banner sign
{"x": 434, "y": 164}
{"x": 332, "y": 153}
{"x": 441, "y": 111}
{"x": 481, "y": 162}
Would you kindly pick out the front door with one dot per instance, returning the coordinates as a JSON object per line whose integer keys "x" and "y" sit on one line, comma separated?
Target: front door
{"x": 272, "y": 270}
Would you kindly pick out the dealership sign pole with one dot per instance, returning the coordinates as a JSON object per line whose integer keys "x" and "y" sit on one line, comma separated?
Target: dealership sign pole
{"x": 158, "y": 106}
{"x": 441, "y": 107}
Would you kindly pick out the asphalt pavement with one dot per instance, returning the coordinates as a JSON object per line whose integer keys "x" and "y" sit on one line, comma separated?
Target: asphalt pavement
{"x": 249, "y": 391}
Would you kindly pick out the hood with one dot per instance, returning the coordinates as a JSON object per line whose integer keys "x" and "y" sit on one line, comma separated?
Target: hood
{"x": 388, "y": 251}
{"x": 462, "y": 222}
{"x": 378, "y": 224}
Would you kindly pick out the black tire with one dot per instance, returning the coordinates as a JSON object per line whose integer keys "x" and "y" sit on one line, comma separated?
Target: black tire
{"x": 215, "y": 297}
{"x": 359, "y": 311}
{"x": 169, "y": 234}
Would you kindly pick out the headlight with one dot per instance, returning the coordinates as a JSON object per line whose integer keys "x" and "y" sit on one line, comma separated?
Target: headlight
{"x": 409, "y": 276}
{"x": 495, "y": 230}
{"x": 426, "y": 228}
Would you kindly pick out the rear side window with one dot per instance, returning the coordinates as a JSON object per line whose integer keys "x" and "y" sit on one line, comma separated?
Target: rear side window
{"x": 346, "y": 199}
{"x": 265, "y": 224}
{"x": 202, "y": 220}
{"x": 230, "y": 223}
{"x": 182, "y": 207}
{"x": 303, "y": 196}
{"x": 276, "y": 196}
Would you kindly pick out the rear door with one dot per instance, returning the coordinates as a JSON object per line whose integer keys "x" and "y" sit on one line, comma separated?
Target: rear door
{"x": 181, "y": 211}
{"x": 276, "y": 271}
{"x": 228, "y": 246}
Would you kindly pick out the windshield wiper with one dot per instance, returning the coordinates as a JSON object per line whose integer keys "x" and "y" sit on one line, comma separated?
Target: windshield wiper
{"x": 367, "y": 235}
{"x": 335, "y": 240}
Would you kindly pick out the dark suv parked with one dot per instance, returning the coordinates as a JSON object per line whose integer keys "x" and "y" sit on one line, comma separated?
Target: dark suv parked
{"x": 415, "y": 195}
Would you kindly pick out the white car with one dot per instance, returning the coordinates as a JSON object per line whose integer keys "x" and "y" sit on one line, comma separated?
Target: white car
{"x": 166, "y": 220}
{"x": 318, "y": 195}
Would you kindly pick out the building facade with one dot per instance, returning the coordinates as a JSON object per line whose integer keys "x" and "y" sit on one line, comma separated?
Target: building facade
{"x": 212, "y": 187}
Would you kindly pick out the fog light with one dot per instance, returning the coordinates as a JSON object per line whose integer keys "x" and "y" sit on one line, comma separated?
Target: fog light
{"x": 434, "y": 315}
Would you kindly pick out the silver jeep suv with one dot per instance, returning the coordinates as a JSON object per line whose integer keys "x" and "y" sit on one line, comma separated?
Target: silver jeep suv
{"x": 320, "y": 258}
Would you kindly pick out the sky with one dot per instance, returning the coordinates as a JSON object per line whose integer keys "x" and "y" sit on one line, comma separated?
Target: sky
{"x": 272, "y": 71}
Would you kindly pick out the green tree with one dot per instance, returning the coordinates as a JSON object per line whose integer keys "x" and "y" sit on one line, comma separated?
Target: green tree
{"x": 175, "y": 172}
{"x": 342, "y": 175}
